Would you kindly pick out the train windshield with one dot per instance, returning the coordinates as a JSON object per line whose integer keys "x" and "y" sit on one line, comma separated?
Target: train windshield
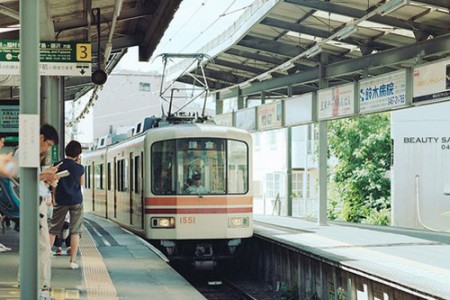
{"x": 202, "y": 166}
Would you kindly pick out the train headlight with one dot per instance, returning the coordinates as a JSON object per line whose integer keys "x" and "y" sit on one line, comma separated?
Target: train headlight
{"x": 238, "y": 222}
{"x": 163, "y": 222}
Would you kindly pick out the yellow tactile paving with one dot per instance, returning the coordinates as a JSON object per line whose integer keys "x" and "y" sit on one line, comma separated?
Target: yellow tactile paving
{"x": 98, "y": 283}
{"x": 9, "y": 290}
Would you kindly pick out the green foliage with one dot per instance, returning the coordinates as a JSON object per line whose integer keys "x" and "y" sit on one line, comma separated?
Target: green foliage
{"x": 362, "y": 146}
{"x": 287, "y": 292}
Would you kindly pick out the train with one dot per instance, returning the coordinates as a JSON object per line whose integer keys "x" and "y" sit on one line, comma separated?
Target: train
{"x": 185, "y": 185}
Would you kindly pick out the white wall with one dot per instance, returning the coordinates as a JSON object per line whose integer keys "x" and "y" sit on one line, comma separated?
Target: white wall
{"x": 421, "y": 148}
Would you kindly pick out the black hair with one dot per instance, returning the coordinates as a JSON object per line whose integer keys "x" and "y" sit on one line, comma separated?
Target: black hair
{"x": 196, "y": 176}
{"x": 50, "y": 134}
{"x": 73, "y": 149}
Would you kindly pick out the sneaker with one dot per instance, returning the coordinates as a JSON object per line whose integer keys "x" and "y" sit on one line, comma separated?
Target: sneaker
{"x": 74, "y": 265}
{"x": 58, "y": 251}
{"x": 3, "y": 248}
{"x": 44, "y": 295}
{"x": 69, "y": 251}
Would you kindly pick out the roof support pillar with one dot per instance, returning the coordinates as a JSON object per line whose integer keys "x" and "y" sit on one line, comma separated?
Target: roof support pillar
{"x": 29, "y": 141}
{"x": 52, "y": 106}
{"x": 240, "y": 100}
{"x": 219, "y": 105}
{"x": 323, "y": 147}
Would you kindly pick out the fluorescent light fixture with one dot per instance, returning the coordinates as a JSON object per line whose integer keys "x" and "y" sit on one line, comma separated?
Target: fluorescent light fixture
{"x": 313, "y": 51}
{"x": 265, "y": 76}
{"x": 346, "y": 32}
{"x": 287, "y": 65}
{"x": 391, "y": 5}
{"x": 447, "y": 190}
{"x": 245, "y": 84}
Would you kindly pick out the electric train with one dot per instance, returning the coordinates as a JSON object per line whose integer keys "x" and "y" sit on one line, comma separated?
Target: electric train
{"x": 186, "y": 185}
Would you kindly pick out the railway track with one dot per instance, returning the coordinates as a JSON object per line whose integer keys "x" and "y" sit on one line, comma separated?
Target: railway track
{"x": 221, "y": 285}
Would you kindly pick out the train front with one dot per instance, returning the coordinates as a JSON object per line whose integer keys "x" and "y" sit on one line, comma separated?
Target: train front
{"x": 199, "y": 199}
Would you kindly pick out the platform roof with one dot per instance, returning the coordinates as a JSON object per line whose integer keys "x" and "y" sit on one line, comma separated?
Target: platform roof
{"x": 276, "y": 44}
{"x": 138, "y": 23}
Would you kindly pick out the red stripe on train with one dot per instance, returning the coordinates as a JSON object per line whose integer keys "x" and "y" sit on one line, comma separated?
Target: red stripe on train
{"x": 175, "y": 211}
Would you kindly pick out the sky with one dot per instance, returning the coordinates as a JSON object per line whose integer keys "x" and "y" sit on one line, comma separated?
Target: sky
{"x": 195, "y": 23}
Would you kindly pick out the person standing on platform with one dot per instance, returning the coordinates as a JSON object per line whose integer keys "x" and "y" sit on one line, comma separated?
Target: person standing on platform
{"x": 48, "y": 137}
{"x": 68, "y": 198}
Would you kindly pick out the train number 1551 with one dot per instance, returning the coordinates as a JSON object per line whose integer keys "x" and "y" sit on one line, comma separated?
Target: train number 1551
{"x": 187, "y": 220}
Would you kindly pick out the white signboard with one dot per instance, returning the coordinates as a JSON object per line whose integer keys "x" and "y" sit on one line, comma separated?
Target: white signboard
{"x": 432, "y": 82}
{"x": 269, "y": 115}
{"x": 336, "y": 102}
{"x": 298, "y": 110}
{"x": 49, "y": 69}
{"x": 246, "y": 119}
{"x": 29, "y": 141}
{"x": 382, "y": 92}
{"x": 224, "y": 119}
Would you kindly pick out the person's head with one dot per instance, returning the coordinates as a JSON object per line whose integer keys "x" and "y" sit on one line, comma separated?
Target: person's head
{"x": 196, "y": 178}
{"x": 48, "y": 138}
{"x": 2, "y": 141}
{"x": 73, "y": 149}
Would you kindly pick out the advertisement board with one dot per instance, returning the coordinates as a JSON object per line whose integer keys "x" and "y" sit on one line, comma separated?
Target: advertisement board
{"x": 269, "y": 115}
{"x": 431, "y": 82}
{"x": 246, "y": 119}
{"x": 335, "y": 102}
{"x": 298, "y": 110}
{"x": 224, "y": 119}
{"x": 382, "y": 92}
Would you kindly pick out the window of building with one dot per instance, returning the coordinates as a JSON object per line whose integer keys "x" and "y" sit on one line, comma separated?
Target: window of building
{"x": 273, "y": 181}
{"x": 144, "y": 86}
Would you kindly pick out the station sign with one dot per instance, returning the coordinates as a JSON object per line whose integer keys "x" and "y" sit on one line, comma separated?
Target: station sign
{"x": 9, "y": 116}
{"x": 56, "y": 58}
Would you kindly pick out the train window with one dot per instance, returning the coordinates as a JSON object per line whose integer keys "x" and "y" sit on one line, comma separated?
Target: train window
{"x": 125, "y": 175}
{"x": 131, "y": 172}
{"x": 163, "y": 170}
{"x": 109, "y": 176}
{"x": 120, "y": 175}
{"x": 87, "y": 183}
{"x": 136, "y": 174}
{"x": 201, "y": 166}
{"x": 237, "y": 167}
{"x": 98, "y": 177}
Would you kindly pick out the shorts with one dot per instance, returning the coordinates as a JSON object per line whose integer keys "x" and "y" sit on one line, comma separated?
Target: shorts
{"x": 59, "y": 214}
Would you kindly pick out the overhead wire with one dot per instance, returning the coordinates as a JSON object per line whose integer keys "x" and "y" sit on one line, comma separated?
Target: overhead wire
{"x": 184, "y": 24}
{"x": 225, "y": 13}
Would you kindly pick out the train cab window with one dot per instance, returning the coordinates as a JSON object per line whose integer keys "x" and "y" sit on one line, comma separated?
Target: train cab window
{"x": 237, "y": 167}
{"x": 201, "y": 166}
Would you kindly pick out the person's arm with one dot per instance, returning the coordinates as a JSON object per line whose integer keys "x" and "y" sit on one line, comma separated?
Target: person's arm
{"x": 82, "y": 180}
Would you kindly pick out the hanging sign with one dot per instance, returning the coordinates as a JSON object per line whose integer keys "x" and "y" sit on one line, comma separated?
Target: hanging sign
{"x": 56, "y": 58}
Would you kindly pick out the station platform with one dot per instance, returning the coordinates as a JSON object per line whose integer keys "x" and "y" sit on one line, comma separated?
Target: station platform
{"x": 114, "y": 264}
{"x": 407, "y": 259}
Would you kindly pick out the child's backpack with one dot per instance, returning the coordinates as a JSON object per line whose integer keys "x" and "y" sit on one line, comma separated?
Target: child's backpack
{"x": 9, "y": 198}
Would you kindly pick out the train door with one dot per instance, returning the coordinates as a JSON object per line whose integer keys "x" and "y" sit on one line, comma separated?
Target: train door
{"x": 93, "y": 185}
{"x": 130, "y": 190}
{"x": 108, "y": 187}
{"x": 142, "y": 185}
{"x": 115, "y": 187}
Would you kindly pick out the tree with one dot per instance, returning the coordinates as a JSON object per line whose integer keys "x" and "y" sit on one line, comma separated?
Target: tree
{"x": 362, "y": 146}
